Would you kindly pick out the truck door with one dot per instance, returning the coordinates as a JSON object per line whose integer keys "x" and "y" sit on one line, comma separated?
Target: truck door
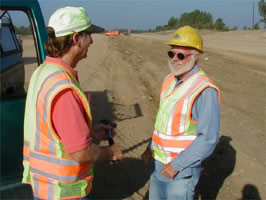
{"x": 21, "y": 51}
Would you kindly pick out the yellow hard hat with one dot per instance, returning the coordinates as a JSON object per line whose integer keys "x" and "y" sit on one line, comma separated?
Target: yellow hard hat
{"x": 187, "y": 36}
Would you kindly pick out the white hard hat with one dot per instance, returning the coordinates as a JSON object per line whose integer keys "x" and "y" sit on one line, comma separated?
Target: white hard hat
{"x": 69, "y": 20}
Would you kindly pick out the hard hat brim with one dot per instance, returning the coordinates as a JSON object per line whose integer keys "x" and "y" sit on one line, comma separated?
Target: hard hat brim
{"x": 184, "y": 45}
{"x": 94, "y": 29}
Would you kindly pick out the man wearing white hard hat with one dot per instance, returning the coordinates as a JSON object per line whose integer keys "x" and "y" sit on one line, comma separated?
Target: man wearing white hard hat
{"x": 58, "y": 151}
{"x": 187, "y": 124}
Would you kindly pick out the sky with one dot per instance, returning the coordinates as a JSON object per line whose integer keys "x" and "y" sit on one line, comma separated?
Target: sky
{"x": 147, "y": 14}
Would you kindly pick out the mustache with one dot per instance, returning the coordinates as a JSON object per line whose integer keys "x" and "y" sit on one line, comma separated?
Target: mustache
{"x": 175, "y": 62}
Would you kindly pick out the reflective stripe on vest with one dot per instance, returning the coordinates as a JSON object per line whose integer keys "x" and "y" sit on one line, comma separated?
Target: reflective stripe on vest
{"x": 174, "y": 128}
{"x": 47, "y": 167}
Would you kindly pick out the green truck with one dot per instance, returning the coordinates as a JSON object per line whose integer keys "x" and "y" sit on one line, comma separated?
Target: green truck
{"x": 20, "y": 55}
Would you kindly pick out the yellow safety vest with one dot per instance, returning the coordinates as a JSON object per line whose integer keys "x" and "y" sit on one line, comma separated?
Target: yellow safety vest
{"x": 52, "y": 173}
{"x": 174, "y": 128}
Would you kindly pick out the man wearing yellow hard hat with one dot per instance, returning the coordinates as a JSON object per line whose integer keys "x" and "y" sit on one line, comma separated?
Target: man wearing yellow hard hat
{"x": 187, "y": 122}
{"x": 58, "y": 151}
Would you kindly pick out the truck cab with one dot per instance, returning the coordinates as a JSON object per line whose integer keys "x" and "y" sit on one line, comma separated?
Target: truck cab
{"x": 20, "y": 54}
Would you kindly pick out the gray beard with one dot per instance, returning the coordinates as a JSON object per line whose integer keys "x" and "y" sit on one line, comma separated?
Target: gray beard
{"x": 178, "y": 68}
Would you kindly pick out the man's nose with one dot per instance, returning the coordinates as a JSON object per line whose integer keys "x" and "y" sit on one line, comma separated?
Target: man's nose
{"x": 90, "y": 40}
{"x": 175, "y": 58}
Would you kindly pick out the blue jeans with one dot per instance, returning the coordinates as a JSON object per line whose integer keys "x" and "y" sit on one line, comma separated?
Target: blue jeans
{"x": 181, "y": 189}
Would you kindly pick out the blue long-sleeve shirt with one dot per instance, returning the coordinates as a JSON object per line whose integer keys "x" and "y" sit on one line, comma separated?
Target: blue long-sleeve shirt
{"x": 206, "y": 112}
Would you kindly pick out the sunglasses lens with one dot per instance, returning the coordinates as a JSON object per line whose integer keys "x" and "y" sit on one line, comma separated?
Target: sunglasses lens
{"x": 171, "y": 54}
{"x": 180, "y": 56}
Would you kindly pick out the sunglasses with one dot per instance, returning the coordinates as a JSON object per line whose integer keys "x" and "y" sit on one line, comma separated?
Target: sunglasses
{"x": 179, "y": 55}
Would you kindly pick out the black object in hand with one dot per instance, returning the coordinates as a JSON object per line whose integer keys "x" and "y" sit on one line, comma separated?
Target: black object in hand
{"x": 108, "y": 132}
{"x": 110, "y": 138}
{"x": 107, "y": 122}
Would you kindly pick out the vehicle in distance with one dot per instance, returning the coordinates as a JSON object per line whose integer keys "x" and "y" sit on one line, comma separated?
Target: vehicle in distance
{"x": 112, "y": 33}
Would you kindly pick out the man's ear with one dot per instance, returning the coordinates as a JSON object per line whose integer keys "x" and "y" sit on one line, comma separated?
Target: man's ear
{"x": 75, "y": 38}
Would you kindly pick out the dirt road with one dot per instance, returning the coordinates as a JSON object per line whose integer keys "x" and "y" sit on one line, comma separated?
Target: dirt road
{"x": 124, "y": 75}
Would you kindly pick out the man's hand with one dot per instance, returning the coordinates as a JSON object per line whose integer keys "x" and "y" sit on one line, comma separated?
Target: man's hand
{"x": 147, "y": 155}
{"x": 117, "y": 153}
{"x": 100, "y": 130}
{"x": 168, "y": 171}
{"x": 96, "y": 154}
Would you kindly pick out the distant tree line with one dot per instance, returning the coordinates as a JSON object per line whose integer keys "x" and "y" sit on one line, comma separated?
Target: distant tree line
{"x": 200, "y": 20}
{"x": 22, "y": 30}
{"x": 204, "y": 20}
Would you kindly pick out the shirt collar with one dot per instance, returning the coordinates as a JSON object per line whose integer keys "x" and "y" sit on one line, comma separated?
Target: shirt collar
{"x": 58, "y": 61}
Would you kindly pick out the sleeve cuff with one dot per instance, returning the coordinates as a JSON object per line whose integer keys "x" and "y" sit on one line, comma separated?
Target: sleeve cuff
{"x": 150, "y": 144}
{"x": 175, "y": 164}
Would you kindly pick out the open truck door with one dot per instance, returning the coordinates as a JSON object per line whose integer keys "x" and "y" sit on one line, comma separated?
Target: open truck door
{"x": 20, "y": 56}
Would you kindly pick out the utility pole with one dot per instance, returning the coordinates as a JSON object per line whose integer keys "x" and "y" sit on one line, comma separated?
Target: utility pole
{"x": 253, "y": 17}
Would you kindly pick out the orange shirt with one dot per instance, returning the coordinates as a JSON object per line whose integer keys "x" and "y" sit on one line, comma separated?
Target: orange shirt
{"x": 68, "y": 116}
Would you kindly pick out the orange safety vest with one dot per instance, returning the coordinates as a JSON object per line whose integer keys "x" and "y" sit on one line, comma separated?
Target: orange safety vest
{"x": 174, "y": 128}
{"x": 52, "y": 173}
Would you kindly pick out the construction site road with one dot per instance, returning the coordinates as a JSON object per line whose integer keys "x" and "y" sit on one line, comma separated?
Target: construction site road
{"x": 124, "y": 75}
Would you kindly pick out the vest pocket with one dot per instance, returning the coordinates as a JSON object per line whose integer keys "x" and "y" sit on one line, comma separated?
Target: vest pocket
{"x": 76, "y": 189}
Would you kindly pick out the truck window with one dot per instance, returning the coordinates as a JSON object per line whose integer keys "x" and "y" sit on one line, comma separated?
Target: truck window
{"x": 18, "y": 54}
{"x": 8, "y": 44}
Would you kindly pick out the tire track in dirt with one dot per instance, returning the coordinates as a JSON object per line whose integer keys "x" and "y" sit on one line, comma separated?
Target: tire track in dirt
{"x": 130, "y": 106}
